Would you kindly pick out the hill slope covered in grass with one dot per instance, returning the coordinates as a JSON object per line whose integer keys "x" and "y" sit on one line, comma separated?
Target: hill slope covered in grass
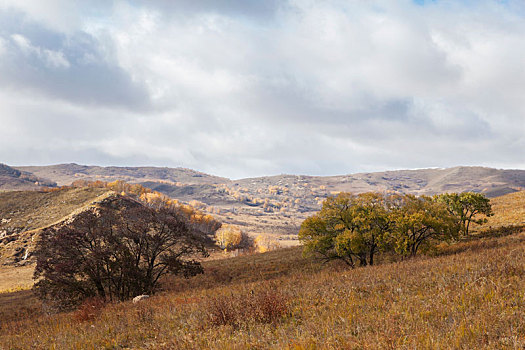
{"x": 509, "y": 210}
{"x": 24, "y": 213}
{"x": 65, "y": 174}
{"x": 468, "y": 296}
{"x": 420, "y": 181}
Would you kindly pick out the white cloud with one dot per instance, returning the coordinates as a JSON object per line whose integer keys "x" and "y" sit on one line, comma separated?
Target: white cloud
{"x": 51, "y": 58}
{"x": 238, "y": 88}
{"x": 59, "y": 15}
{"x": 3, "y": 48}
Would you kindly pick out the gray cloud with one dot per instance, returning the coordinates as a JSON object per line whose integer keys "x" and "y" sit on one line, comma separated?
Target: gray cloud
{"x": 77, "y": 67}
{"x": 251, "y": 9}
{"x": 244, "y": 88}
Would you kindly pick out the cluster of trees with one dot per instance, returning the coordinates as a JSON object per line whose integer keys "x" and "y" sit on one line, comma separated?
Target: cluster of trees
{"x": 231, "y": 238}
{"x": 353, "y": 228}
{"x": 115, "y": 251}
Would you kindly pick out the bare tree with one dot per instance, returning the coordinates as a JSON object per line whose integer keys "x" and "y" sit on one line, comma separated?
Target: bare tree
{"x": 115, "y": 253}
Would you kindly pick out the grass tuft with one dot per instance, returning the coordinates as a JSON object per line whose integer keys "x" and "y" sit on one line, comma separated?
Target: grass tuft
{"x": 266, "y": 305}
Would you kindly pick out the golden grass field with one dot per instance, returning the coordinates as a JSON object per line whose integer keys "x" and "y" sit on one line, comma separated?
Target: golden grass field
{"x": 508, "y": 209}
{"x": 13, "y": 279}
{"x": 467, "y": 295}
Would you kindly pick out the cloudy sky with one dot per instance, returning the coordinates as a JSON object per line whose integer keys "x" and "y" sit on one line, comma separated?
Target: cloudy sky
{"x": 249, "y": 87}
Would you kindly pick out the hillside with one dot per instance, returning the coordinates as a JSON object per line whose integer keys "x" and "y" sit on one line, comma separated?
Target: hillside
{"x": 494, "y": 182}
{"x": 468, "y": 296}
{"x": 14, "y": 179}
{"x": 509, "y": 210}
{"x": 464, "y": 295}
{"x": 276, "y": 205}
{"x": 24, "y": 213}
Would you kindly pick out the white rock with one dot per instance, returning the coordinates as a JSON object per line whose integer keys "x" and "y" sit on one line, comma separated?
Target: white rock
{"x": 139, "y": 298}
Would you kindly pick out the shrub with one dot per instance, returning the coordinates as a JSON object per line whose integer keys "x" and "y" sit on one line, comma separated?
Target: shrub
{"x": 89, "y": 309}
{"x": 230, "y": 237}
{"x": 268, "y": 305}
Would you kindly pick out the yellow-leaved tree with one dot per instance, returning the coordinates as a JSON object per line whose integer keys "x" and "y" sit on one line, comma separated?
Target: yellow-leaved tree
{"x": 264, "y": 243}
{"x": 231, "y": 237}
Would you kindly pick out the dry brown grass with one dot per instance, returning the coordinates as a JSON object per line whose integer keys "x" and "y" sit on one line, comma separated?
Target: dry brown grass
{"x": 26, "y": 212}
{"x": 470, "y": 296}
{"x": 19, "y": 305}
{"x": 508, "y": 209}
{"x": 13, "y": 279}
{"x": 266, "y": 305}
{"x": 509, "y": 216}
{"x": 34, "y": 209}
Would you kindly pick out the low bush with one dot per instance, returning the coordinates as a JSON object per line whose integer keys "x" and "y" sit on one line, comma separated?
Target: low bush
{"x": 268, "y": 305}
{"x": 89, "y": 309}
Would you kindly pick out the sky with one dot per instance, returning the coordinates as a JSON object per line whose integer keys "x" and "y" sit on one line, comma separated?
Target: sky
{"x": 241, "y": 88}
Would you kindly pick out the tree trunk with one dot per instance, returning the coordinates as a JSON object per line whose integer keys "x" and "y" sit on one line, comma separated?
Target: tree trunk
{"x": 362, "y": 259}
{"x": 371, "y": 259}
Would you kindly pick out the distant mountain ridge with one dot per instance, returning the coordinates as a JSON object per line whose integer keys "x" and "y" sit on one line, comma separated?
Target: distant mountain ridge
{"x": 421, "y": 181}
{"x": 65, "y": 174}
{"x": 15, "y": 179}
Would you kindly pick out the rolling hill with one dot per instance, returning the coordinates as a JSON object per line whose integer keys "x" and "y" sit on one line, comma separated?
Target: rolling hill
{"x": 494, "y": 182}
{"x": 65, "y": 174}
{"x": 464, "y": 295}
{"x": 14, "y": 179}
{"x": 276, "y": 205}
{"x": 24, "y": 213}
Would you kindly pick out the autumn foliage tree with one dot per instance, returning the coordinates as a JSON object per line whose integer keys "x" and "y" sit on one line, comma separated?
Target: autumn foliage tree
{"x": 154, "y": 199}
{"x": 350, "y": 228}
{"x": 468, "y": 207}
{"x": 418, "y": 222}
{"x": 114, "y": 253}
{"x": 371, "y": 224}
{"x": 354, "y": 228}
{"x": 230, "y": 237}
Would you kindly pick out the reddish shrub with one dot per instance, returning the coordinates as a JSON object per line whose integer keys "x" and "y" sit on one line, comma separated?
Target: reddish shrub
{"x": 223, "y": 311}
{"x": 89, "y": 309}
{"x": 269, "y": 306}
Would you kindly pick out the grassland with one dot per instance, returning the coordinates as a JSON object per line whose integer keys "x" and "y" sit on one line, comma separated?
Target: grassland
{"x": 467, "y": 295}
{"x": 509, "y": 210}
{"x": 19, "y": 278}
{"x": 470, "y": 295}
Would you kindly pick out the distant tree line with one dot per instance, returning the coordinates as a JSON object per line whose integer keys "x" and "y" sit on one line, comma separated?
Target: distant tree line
{"x": 354, "y": 228}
